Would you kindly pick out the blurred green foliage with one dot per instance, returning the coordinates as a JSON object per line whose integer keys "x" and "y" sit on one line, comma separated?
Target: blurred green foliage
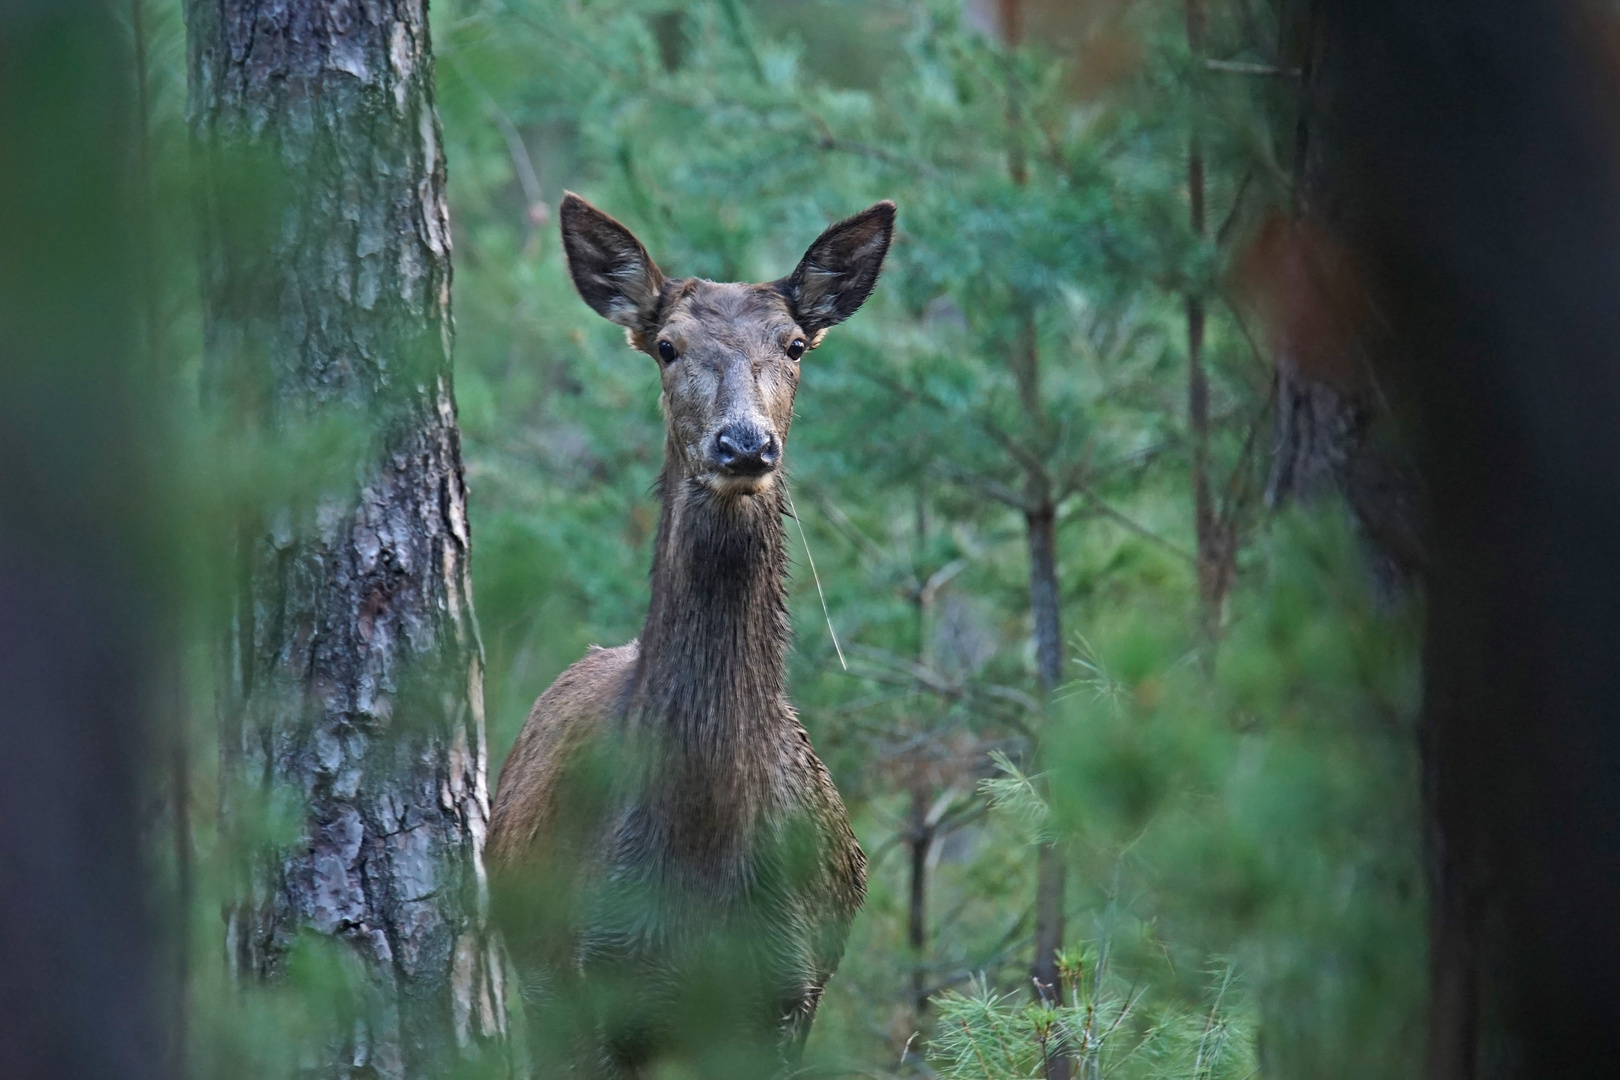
{"x": 1245, "y": 895}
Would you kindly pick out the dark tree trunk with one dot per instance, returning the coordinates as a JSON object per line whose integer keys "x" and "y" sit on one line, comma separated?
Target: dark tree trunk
{"x": 921, "y": 841}
{"x": 1473, "y": 149}
{"x": 1044, "y": 598}
{"x": 1050, "y": 868}
{"x": 1331, "y": 423}
{"x": 923, "y": 828}
{"x": 1214, "y": 554}
{"x": 353, "y": 673}
{"x": 79, "y": 563}
{"x": 1049, "y": 898}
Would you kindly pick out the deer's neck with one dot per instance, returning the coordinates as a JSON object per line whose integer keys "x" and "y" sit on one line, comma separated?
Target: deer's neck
{"x": 714, "y": 647}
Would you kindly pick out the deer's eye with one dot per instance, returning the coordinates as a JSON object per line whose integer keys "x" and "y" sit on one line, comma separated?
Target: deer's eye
{"x": 666, "y": 352}
{"x": 796, "y": 348}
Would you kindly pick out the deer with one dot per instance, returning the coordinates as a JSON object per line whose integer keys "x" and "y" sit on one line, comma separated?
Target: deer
{"x": 662, "y": 824}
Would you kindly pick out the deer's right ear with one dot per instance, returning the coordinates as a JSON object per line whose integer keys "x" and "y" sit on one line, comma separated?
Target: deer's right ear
{"x": 612, "y": 271}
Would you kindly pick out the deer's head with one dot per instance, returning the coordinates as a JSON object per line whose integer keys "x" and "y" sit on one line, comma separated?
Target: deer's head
{"x": 728, "y": 354}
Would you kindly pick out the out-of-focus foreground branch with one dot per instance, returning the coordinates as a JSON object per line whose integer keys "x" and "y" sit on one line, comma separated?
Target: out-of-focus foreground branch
{"x": 76, "y": 568}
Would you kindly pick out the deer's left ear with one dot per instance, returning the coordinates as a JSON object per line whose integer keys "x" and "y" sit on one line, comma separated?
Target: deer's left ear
{"x": 840, "y": 270}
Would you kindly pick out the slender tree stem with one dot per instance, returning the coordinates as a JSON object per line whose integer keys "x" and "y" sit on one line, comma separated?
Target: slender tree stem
{"x": 1049, "y": 863}
{"x": 921, "y": 836}
{"x": 922, "y": 842}
{"x": 1043, "y": 596}
{"x": 1213, "y": 556}
{"x": 1049, "y": 899}
{"x": 1040, "y": 516}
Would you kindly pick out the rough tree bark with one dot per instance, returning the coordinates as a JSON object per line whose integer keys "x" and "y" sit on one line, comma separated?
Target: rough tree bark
{"x": 352, "y": 681}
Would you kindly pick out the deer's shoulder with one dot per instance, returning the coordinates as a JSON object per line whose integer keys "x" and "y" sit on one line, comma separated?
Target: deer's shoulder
{"x": 577, "y": 708}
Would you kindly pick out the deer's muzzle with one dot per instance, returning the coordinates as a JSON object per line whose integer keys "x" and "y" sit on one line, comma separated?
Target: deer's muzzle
{"x": 743, "y": 449}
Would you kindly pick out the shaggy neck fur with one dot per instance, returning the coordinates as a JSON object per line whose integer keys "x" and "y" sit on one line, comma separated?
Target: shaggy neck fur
{"x": 709, "y": 690}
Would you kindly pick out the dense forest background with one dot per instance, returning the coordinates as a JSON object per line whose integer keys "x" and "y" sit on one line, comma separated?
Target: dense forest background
{"x": 1111, "y": 641}
{"x": 1228, "y": 769}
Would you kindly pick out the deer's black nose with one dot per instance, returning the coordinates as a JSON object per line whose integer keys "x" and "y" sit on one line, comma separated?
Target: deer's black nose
{"x": 746, "y": 450}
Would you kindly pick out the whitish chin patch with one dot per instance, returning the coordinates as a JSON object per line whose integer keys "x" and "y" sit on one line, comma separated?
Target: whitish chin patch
{"x": 731, "y": 486}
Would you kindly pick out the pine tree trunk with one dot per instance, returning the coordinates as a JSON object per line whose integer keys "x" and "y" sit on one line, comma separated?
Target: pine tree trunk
{"x": 352, "y": 673}
{"x": 921, "y": 842}
{"x": 1214, "y": 552}
{"x": 1049, "y": 890}
{"x": 1050, "y": 869}
{"x": 1044, "y": 596}
{"x": 920, "y": 837}
{"x": 1044, "y": 599}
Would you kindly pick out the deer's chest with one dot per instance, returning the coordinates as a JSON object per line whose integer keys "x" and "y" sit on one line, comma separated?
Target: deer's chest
{"x": 689, "y": 858}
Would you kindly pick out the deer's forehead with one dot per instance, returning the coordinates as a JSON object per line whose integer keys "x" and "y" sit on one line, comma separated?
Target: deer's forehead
{"x": 735, "y": 314}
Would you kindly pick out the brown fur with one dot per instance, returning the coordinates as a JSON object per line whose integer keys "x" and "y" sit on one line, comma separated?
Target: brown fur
{"x": 563, "y": 721}
{"x": 710, "y": 809}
